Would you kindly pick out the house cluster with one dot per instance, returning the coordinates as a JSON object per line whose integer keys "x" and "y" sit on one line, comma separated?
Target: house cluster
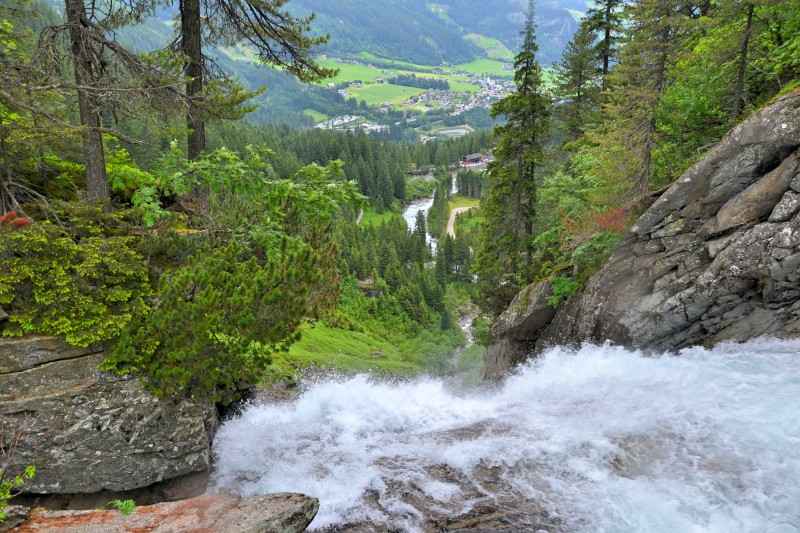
{"x": 352, "y": 123}
{"x": 473, "y": 160}
{"x": 491, "y": 91}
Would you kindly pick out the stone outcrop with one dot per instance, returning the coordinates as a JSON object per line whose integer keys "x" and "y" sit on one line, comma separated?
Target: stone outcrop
{"x": 89, "y": 431}
{"x": 715, "y": 258}
{"x": 273, "y": 513}
{"x": 515, "y": 331}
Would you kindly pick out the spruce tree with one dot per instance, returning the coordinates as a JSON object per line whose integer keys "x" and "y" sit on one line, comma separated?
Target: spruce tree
{"x": 510, "y": 210}
{"x": 577, "y": 83}
{"x": 653, "y": 44}
{"x": 605, "y": 18}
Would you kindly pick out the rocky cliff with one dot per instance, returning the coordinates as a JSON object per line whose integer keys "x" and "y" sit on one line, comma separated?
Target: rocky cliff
{"x": 715, "y": 258}
{"x": 89, "y": 431}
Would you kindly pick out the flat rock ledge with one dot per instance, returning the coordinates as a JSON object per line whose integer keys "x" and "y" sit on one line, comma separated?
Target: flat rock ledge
{"x": 221, "y": 513}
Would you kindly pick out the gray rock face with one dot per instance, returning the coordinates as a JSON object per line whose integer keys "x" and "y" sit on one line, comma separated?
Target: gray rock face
{"x": 517, "y": 329}
{"x": 273, "y": 513}
{"x": 716, "y": 257}
{"x": 88, "y": 430}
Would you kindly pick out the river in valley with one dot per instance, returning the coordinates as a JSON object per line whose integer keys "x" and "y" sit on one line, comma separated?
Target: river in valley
{"x": 598, "y": 439}
{"x": 423, "y": 204}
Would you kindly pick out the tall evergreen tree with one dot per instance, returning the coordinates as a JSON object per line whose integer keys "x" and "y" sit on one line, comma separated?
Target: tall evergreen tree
{"x": 577, "y": 83}
{"x": 652, "y": 47}
{"x": 510, "y": 210}
{"x": 605, "y": 19}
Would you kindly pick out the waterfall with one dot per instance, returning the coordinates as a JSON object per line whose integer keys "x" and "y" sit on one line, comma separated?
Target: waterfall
{"x": 594, "y": 439}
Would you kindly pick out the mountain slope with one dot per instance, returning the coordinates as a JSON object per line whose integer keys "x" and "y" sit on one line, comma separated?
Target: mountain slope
{"x": 396, "y": 29}
{"x": 434, "y": 32}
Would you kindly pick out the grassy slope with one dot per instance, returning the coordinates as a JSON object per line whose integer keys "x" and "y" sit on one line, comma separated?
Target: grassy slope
{"x": 349, "y": 72}
{"x": 345, "y": 351}
{"x": 456, "y": 201}
{"x": 485, "y": 66}
{"x": 494, "y": 49}
{"x": 379, "y": 93}
{"x": 316, "y": 115}
{"x": 374, "y": 218}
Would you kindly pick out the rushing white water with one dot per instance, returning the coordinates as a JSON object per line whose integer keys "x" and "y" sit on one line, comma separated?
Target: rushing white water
{"x": 410, "y": 215}
{"x": 601, "y": 439}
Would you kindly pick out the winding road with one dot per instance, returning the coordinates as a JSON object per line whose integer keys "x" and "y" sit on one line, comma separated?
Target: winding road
{"x": 451, "y": 223}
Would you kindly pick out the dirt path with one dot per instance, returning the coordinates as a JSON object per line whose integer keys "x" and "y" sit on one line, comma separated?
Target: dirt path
{"x": 451, "y": 223}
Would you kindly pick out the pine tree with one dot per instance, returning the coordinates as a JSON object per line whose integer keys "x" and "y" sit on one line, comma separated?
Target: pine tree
{"x": 107, "y": 78}
{"x": 577, "y": 83}
{"x": 510, "y": 210}
{"x": 277, "y": 37}
{"x": 606, "y": 20}
{"x": 652, "y": 47}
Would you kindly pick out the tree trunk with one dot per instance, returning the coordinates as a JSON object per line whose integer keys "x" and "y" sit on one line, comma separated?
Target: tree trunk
{"x": 738, "y": 94}
{"x": 5, "y": 180}
{"x": 94, "y": 157}
{"x": 658, "y": 88}
{"x": 191, "y": 46}
{"x": 606, "y": 47}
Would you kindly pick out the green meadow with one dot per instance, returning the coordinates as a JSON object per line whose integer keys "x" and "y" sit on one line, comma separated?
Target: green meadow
{"x": 494, "y": 49}
{"x": 350, "y": 72}
{"x": 481, "y": 67}
{"x": 347, "y": 351}
{"x": 383, "y": 92}
{"x": 456, "y": 201}
{"x": 373, "y": 218}
{"x": 316, "y": 115}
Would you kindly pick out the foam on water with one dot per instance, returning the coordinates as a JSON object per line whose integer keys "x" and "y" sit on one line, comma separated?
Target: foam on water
{"x": 606, "y": 439}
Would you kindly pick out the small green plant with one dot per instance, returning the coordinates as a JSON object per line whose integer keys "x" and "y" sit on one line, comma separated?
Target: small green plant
{"x": 125, "y": 507}
{"x": 10, "y": 487}
{"x": 563, "y": 289}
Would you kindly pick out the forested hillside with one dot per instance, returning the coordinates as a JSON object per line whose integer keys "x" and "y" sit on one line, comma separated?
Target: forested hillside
{"x": 643, "y": 90}
{"x": 416, "y": 35}
{"x": 556, "y": 21}
{"x": 199, "y": 270}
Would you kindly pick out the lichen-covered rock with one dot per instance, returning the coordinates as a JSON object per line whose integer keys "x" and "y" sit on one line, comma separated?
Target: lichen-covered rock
{"x": 716, "y": 257}
{"x": 273, "y": 513}
{"x": 87, "y": 430}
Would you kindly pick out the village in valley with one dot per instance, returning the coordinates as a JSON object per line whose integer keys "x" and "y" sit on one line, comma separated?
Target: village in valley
{"x": 456, "y": 92}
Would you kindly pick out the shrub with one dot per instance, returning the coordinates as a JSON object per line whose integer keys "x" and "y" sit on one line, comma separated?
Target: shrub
{"x": 264, "y": 262}
{"x": 87, "y": 288}
{"x": 563, "y": 289}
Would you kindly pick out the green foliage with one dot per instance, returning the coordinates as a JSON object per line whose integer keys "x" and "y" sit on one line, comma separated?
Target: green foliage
{"x": 510, "y": 209}
{"x": 126, "y": 507}
{"x": 577, "y": 83}
{"x": 81, "y": 284}
{"x": 9, "y": 486}
{"x": 264, "y": 263}
{"x": 563, "y": 289}
{"x": 439, "y": 212}
{"x": 419, "y": 188}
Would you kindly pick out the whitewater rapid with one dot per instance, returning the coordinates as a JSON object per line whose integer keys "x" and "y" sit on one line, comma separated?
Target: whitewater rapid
{"x": 598, "y": 439}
